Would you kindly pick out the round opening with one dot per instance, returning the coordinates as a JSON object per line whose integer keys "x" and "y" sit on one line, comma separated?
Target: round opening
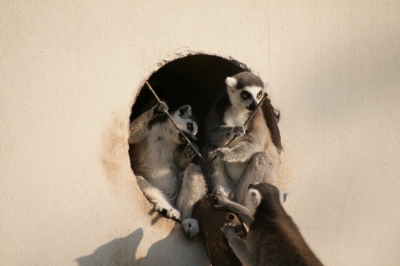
{"x": 196, "y": 80}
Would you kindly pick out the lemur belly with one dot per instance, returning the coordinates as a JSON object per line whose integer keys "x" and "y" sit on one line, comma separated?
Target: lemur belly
{"x": 236, "y": 170}
{"x": 158, "y": 166}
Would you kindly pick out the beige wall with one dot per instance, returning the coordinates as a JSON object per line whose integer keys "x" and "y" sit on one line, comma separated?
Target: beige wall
{"x": 69, "y": 73}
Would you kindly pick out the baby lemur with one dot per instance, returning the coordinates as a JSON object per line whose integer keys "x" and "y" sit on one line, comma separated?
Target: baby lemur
{"x": 161, "y": 162}
{"x": 252, "y": 156}
{"x": 273, "y": 237}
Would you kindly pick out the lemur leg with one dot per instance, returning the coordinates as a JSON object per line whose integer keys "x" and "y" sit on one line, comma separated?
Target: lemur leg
{"x": 238, "y": 245}
{"x": 157, "y": 197}
{"x": 215, "y": 171}
{"x": 261, "y": 169}
{"x": 192, "y": 190}
{"x": 225, "y": 203}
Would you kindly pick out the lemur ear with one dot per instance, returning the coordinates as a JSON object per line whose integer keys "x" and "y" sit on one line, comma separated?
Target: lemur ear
{"x": 231, "y": 82}
{"x": 266, "y": 85}
{"x": 185, "y": 111}
{"x": 283, "y": 195}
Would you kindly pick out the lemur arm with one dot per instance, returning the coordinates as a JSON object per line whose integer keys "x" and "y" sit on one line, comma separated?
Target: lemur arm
{"x": 225, "y": 203}
{"x": 221, "y": 135}
{"x": 241, "y": 152}
{"x": 239, "y": 246}
{"x": 138, "y": 126}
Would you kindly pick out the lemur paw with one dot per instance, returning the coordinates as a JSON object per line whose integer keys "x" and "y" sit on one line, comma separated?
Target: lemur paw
{"x": 191, "y": 227}
{"x": 239, "y": 130}
{"x": 223, "y": 192}
{"x": 162, "y": 107}
{"x": 158, "y": 207}
{"x": 173, "y": 214}
{"x": 229, "y": 231}
{"x": 170, "y": 212}
{"x": 222, "y": 153}
{"x": 188, "y": 152}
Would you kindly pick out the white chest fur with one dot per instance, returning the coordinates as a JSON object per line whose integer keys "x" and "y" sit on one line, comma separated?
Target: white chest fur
{"x": 234, "y": 117}
{"x": 158, "y": 162}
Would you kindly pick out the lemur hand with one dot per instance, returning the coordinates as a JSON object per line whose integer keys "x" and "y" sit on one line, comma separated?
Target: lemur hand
{"x": 188, "y": 152}
{"x": 239, "y": 130}
{"x": 162, "y": 107}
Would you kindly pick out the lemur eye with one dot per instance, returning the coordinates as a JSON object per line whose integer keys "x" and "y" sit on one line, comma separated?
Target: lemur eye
{"x": 259, "y": 95}
{"x": 245, "y": 95}
{"x": 189, "y": 126}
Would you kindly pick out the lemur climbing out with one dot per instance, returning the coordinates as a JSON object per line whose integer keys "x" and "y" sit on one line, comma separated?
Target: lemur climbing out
{"x": 251, "y": 157}
{"x": 161, "y": 162}
{"x": 273, "y": 237}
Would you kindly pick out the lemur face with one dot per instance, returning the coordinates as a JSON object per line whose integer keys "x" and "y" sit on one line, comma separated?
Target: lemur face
{"x": 186, "y": 122}
{"x": 245, "y": 90}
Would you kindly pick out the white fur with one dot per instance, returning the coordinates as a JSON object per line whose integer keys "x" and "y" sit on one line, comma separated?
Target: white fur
{"x": 163, "y": 182}
{"x": 182, "y": 121}
{"x": 238, "y": 102}
{"x": 234, "y": 117}
{"x": 252, "y": 201}
{"x": 231, "y": 82}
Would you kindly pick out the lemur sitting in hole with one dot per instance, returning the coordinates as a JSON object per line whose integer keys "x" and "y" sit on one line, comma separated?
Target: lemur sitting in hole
{"x": 161, "y": 162}
{"x": 251, "y": 157}
{"x": 273, "y": 237}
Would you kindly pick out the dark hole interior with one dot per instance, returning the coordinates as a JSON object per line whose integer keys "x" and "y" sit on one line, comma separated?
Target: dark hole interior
{"x": 196, "y": 80}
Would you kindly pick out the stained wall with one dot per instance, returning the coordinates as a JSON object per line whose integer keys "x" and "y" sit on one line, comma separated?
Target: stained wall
{"x": 70, "y": 72}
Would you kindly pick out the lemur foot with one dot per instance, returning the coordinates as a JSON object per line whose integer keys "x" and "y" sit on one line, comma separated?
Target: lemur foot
{"x": 170, "y": 212}
{"x": 173, "y": 214}
{"x": 191, "y": 227}
{"x": 222, "y": 196}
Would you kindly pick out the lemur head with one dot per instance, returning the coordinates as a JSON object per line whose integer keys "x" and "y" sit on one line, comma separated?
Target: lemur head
{"x": 263, "y": 193}
{"x": 245, "y": 90}
{"x": 186, "y": 122}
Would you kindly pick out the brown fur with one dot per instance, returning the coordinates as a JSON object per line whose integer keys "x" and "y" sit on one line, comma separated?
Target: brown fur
{"x": 135, "y": 151}
{"x": 275, "y": 236}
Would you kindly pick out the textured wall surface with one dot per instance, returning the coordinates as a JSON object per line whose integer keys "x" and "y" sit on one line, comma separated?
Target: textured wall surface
{"x": 69, "y": 74}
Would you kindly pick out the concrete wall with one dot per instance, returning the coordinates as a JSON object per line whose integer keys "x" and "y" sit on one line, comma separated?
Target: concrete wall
{"x": 69, "y": 74}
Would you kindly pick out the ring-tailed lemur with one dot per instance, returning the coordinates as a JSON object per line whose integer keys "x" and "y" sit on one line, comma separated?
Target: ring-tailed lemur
{"x": 273, "y": 237}
{"x": 161, "y": 162}
{"x": 252, "y": 156}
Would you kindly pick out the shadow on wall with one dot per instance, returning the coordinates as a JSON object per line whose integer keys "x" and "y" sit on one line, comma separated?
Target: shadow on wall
{"x": 120, "y": 251}
{"x": 175, "y": 249}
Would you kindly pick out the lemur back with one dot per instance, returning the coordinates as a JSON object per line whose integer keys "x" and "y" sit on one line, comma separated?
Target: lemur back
{"x": 273, "y": 237}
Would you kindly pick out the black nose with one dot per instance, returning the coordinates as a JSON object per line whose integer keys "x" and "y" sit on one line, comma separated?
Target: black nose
{"x": 252, "y": 106}
{"x": 251, "y": 186}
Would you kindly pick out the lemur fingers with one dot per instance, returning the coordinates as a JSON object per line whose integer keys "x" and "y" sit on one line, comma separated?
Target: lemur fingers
{"x": 239, "y": 130}
{"x": 188, "y": 152}
{"x": 162, "y": 107}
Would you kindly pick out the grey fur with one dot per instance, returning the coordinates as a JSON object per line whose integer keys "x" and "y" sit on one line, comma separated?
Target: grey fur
{"x": 161, "y": 163}
{"x": 252, "y": 157}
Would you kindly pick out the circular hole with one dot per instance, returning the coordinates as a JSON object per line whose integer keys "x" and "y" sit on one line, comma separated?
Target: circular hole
{"x": 196, "y": 80}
